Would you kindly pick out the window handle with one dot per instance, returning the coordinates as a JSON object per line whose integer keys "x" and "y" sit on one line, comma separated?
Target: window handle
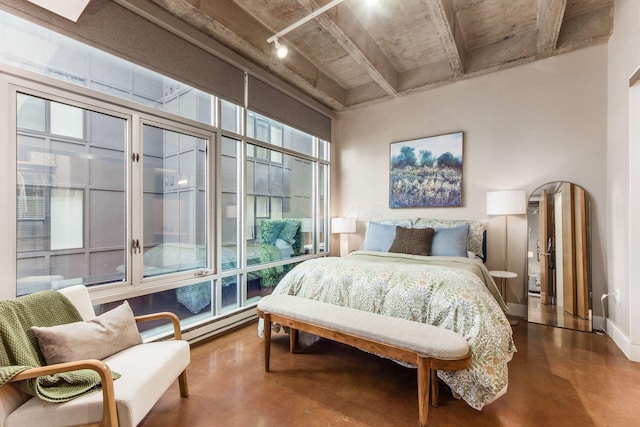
{"x": 205, "y": 272}
{"x": 135, "y": 246}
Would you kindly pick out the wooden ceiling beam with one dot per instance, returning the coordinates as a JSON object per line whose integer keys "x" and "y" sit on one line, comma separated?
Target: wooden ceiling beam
{"x": 443, "y": 19}
{"x": 343, "y": 25}
{"x": 549, "y": 22}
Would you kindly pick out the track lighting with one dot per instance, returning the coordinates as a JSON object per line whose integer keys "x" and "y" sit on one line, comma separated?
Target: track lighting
{"x": 281, "y": 50}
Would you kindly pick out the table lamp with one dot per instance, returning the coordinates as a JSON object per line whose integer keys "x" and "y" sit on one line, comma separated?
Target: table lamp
{"x": 344, "y": 227}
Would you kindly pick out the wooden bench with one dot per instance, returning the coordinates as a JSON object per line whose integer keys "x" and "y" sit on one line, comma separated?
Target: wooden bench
{"x": 428, "y": 347}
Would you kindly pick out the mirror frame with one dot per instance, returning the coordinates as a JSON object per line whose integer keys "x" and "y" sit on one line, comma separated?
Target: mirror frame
{"x": 567, "y": 260}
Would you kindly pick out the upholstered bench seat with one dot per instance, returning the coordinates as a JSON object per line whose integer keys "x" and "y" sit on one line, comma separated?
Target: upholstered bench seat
{"x": 426, "y": 346}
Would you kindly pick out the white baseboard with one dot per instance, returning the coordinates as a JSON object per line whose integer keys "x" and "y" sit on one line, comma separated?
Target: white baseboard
{"x": 223, "y": 324}
{"x": 632, "y": 351}
{"x": 635, "y": 353}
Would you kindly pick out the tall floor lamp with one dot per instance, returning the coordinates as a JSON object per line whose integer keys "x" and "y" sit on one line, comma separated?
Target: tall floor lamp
{"x": 344, "y": 227}
{"x": 505, "y": 203}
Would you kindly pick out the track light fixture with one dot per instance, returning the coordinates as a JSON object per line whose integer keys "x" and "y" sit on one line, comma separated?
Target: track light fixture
{"x": 281, "y": 50}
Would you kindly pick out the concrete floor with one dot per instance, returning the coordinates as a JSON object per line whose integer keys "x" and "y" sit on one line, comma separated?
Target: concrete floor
{"x": 557, "y": 378}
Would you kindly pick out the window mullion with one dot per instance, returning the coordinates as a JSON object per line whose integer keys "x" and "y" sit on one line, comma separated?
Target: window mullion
{"x": 136, "y": 196}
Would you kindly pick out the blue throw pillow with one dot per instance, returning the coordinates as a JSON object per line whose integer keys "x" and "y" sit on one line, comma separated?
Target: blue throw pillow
{"x": 379, "y": 237}
{"x": 450, "y": 241}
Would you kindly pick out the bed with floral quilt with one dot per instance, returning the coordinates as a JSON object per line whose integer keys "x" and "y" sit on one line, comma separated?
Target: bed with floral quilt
{"x": 454, "y": 292}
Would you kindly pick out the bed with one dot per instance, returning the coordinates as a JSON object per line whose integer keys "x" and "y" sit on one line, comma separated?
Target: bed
{"x": 448, "y": 287}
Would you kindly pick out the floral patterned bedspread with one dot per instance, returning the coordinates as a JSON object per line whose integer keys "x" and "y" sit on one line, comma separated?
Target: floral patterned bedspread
{"x": 454, "y": 293}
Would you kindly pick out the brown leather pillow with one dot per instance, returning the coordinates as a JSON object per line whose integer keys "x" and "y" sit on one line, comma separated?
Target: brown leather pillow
{"x": 414, "y": 241}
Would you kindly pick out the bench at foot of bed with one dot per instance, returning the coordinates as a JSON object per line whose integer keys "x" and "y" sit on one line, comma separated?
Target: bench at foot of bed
{"x": 428, "y": 347}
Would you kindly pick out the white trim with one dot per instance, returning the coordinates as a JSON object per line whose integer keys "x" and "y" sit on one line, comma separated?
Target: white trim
{"x": 218, "y": 326}
{"x": 623, "y": 342}
{"x": 618, "y": 337}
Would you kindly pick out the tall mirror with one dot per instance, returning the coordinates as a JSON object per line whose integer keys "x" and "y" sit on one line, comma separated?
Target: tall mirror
{"x": 559, "y": 256}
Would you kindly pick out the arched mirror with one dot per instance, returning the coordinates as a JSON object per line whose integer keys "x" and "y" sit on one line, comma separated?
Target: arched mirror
{"x": 559, "y": 256}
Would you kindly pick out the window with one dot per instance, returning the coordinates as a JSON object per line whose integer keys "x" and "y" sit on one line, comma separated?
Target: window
{"x": 280, "y": 201}
{"x": 71, "y": 204}
{"x": 37, "y": 49}
{"x": 159, "y": 193}
{"x": 175, "y": 201}
{"x": 268, "y": 130}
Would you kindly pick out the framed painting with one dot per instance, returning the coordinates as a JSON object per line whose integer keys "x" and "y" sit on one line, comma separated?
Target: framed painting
{"x": 426, "y": 172}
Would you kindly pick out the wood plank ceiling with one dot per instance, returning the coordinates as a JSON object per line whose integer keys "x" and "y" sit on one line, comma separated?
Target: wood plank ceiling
{"x": 354, "y": 55}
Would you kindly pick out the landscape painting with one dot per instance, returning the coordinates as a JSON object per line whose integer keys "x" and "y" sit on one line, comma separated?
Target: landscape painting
{"x": 426, "y": 172}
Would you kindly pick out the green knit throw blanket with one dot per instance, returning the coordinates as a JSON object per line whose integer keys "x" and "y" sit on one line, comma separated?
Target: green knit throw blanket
{"x": 20, "y": 350}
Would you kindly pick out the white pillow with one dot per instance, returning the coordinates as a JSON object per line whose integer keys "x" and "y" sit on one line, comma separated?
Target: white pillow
{"x": 96, "y": 338}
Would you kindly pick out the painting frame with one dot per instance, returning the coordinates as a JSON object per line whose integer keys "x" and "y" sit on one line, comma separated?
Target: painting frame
{"x": 426, "y": 172}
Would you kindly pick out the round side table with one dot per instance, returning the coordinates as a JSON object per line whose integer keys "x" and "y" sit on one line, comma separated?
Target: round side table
{"x": 503, "y": 276}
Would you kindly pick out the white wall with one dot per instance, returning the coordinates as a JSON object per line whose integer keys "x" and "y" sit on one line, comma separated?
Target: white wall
{"x": 623, "y": 179}
{"x": 523, "y": 127}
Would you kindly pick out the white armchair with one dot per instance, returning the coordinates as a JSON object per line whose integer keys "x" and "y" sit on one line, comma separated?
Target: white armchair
{"x": 147, "y": 370}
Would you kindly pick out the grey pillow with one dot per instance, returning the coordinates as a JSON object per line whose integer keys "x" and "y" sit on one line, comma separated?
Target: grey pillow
{"x": 96, "y": 338}
{"x": 379, "y": 237}
{"x": 414, "y": 241}
{"x": 450, "y": 241}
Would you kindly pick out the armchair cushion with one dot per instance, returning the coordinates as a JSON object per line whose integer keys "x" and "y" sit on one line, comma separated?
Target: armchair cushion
{"x": 148, "y": 370}
{"x": 96, "y": 338}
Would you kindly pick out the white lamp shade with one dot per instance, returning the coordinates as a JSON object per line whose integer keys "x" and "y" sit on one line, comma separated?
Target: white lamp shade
{"x": 343, "y": 225}
{"x": 512, "y": 202}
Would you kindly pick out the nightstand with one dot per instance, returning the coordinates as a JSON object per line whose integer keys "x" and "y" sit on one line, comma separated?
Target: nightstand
{"x": 503, "y": 276}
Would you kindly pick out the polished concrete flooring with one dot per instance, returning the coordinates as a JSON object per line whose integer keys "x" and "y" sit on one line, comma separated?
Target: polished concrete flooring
{"x": 553, "y": 315}
{"x": 557, "y": 378}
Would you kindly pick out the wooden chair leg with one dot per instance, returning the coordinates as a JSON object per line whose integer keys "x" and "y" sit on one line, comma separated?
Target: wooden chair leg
{"x": 267, "y": 340}
{"x": 184, "y": 386}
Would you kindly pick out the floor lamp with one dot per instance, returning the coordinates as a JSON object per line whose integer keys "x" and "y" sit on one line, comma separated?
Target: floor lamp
{"x": 505, "y": 203}
{"x": 344, "y": 227}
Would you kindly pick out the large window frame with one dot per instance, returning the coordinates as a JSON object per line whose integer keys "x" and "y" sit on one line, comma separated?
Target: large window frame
{"x": 137, "y": 115}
